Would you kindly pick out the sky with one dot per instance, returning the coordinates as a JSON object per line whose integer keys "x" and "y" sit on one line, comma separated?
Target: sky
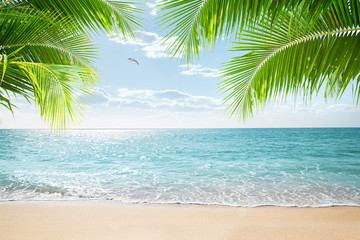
{"x": 162, "y": 92}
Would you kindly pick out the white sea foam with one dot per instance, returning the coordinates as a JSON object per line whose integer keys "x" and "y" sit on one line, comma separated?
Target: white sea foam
{"x": 213, "y": 167}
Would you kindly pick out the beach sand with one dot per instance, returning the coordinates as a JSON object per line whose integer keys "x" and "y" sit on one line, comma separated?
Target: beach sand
{"x": 111, "y": 220}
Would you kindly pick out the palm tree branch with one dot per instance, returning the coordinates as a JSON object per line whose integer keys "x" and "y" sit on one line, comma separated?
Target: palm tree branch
{"x": 241, "y": 80}
{"x": 68, "y": 52}
{"x": 218, "y": 18}
{"x": 96, "y": 14}
{"x": 189, "y": 26}
{"x": 304, "y": 39}
{"x": 54, "y": 90}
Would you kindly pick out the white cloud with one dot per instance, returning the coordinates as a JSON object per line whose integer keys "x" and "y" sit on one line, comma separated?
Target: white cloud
{"x": 199, "y": 70}
{"x": 145, "y": 39}
{"x": 341, "y": 108}
{"x": 154, "y": 12}
{"x": 173, "y": 100}
{"x": 316, "y": 108}
{"x": 150, "y": 43}
{"x": 153, "y": 7}
{"x": 156, "y": 50}
{"x": 98, "y": 96}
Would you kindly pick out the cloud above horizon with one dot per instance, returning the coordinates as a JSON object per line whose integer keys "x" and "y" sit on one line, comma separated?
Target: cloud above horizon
{"x": 178, "y": 101}
{"x": 125, "y": 107}
{"x": 173, "y": 100}
{"x": 192, "y": 70}
{"x": 148, "y": 42}
{"x": 341, "y": 107}
{"x": 152, "y": 6}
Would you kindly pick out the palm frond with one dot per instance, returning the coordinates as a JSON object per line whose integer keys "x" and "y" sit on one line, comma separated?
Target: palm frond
{"x": 56, "y": 91}
{"x": 200, "y": 23}
{"x": 44, "y": 36}
{"x": 111, "y": 16}
{"x": 292, "y": 57}
{"x": 48, "y": 60}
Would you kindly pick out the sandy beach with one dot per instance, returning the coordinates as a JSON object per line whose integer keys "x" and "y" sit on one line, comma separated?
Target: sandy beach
{"x": 111, "y": 220}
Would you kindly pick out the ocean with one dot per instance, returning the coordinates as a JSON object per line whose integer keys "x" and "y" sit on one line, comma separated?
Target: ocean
{"x": 304, "y": 167}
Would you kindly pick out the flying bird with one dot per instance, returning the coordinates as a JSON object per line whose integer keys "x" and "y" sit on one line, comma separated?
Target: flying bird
{"x": 133, "y": 60}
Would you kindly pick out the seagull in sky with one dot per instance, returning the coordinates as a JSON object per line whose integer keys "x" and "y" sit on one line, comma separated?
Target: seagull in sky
{"x": 133, "y": 60}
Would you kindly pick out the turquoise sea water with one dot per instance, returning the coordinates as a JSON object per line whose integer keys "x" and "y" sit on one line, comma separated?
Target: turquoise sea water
{"x": 237, "y": 167}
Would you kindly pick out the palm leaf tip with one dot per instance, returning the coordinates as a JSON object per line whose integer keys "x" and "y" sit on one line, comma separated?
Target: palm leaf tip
{"x": 199, "y": 23}
{"x": 48, "y": 60}
{"x": 292, "y": 57}
{"x": 97, "y": 15}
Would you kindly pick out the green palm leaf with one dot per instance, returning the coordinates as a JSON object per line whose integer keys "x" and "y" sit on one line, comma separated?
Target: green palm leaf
{"x": 111, "y": 16}
{"x": 56, "y": 91}
{"x": 200, "y": 23}
{"x": 44, "y": 39}
{"x": 292, "y": 56}
{"x": 49, "y": 60}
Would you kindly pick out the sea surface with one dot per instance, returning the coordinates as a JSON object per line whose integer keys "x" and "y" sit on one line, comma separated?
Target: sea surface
{"x": 302, "y": 167}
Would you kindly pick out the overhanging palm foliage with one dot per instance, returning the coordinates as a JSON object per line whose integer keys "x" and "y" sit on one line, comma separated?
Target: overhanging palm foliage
{"x": 46, "y": 53}
{"x": 295, "y": 56}
{"x": 200, "y": 23}
{"x": 44, "y": 57}
{"x": 111, "y": 16}
{"x": 291, "y": 47}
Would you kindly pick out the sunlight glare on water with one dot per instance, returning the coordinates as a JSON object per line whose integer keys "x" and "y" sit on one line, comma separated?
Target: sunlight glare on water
{"x": 238, "y": 167}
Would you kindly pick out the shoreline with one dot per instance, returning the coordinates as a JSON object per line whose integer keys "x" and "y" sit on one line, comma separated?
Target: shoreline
{"x": 113, "y": 220}
{"x": 121, "y": 203}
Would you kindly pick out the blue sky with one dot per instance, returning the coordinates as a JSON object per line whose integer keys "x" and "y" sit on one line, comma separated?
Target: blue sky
{"x": 161, "y": 92}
